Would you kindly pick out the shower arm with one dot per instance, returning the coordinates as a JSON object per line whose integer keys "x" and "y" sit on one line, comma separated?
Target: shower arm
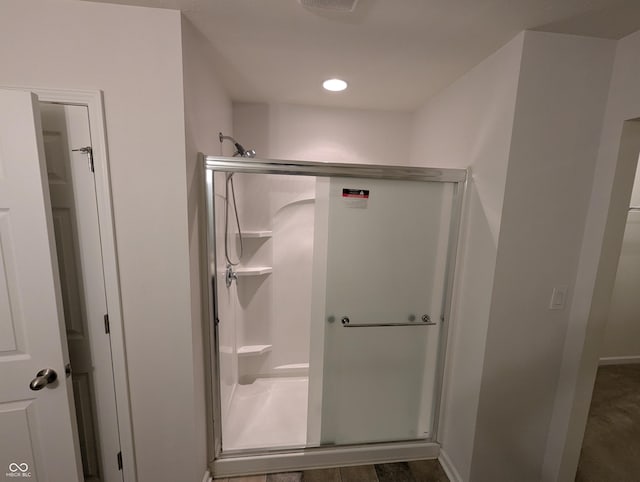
{"x": 240, "y": 151}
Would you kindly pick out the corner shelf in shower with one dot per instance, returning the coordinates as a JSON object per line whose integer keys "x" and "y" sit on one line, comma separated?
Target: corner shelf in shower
{"x": 255, "y": 234}
{"x": 253, "y": 270}
{"x": 250, "y": 350}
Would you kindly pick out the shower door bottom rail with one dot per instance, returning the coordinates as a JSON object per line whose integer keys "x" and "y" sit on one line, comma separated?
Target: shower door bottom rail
{"x": 323, "y": 457}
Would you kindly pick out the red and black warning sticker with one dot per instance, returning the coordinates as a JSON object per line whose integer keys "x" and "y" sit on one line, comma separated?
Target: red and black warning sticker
{"x": 356, "y": 193}
{"x": 355, "y": 198}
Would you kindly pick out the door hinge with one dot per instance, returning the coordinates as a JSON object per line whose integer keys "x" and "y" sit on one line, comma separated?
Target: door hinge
{"x": 119, "y": 456}
{"x": 107, "y": 326}
{"x": 89, "y": 152}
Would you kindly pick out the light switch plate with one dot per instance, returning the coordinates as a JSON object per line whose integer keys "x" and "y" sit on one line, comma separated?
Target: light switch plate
{"x": 558, "y": 297}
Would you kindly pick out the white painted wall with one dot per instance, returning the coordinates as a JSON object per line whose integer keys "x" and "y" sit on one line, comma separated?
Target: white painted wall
{"x": 560, "y": 104}
{"x": 207, "y": 110}
{"x": 284, "y": 131}
{"x": 607, "y": 210}
{"x": 527, "y": 121}
{"x": 622, "y": 332}
{"x": 469, "y": 124}
{"x": 134, "y": 55}
{"x": 635, "y": 193}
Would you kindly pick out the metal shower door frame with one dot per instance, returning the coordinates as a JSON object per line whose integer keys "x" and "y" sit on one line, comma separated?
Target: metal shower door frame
{"x": 256, "y": 461}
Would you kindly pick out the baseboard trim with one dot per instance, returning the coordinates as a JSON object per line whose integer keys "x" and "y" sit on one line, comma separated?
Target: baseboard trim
{"x": 619, "y": 360}
{"x": 448, "y": 467}
{"x": 206, "y": 477}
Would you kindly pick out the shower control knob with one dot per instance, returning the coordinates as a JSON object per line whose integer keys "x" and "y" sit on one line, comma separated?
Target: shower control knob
{"x": 426, "y": 318}
{"x": 345, "y": 320}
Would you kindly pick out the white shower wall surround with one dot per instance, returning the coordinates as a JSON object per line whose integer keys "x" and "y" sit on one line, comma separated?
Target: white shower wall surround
{"x": 274, "y": 309}
{"x": 265, "y": 318}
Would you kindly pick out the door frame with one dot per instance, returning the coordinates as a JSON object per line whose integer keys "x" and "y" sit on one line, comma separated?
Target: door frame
{"x": 93, "y": 100}
{"x": 277, "y": 460}
{"x": 598, "y": 265}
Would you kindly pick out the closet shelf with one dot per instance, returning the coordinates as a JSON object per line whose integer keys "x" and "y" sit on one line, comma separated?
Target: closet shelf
{"x": 255, "y": 234}
{"x": 249, "y": 350}
{"x": 253, "y": 270}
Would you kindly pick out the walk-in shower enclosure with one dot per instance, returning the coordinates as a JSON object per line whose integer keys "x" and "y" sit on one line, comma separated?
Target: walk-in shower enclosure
{"x": 329, "y": 301}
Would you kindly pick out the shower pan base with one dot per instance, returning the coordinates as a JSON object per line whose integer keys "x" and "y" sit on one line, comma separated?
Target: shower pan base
{"x": 268, "y": 413}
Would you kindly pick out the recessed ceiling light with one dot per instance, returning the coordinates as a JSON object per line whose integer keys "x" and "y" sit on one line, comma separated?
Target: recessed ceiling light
{"x": 334, "y": 85}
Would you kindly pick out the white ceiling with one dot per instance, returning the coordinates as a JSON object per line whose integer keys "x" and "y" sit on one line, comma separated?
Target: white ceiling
{"x": 395, "y": 54}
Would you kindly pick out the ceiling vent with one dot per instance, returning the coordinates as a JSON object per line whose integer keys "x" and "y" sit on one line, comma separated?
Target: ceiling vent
{"x": 335, "y": 5}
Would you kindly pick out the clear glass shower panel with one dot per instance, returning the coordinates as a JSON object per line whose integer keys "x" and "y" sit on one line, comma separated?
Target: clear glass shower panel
{"x": 264, "y": 254}
{"x": 378, "y": 303}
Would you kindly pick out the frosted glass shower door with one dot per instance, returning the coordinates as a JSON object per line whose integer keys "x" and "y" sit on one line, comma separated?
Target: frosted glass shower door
{"x": 381, "y": 255}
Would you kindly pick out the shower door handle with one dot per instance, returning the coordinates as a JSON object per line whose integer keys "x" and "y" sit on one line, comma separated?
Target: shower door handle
{"x": 426, "y": 321}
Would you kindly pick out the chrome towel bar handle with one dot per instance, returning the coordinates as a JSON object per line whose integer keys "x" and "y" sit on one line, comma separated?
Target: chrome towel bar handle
{"x": 426, "y": 321}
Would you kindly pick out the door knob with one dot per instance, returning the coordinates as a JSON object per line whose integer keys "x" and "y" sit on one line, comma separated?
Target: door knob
{"x": 43, "y": 378}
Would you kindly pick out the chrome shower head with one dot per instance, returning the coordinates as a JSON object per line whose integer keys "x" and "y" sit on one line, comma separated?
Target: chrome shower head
{"x": 240, "y": 151}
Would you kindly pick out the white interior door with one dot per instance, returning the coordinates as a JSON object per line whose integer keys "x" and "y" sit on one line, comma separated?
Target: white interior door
{"x": 38, "y": 430}
{"x": 77, "y": 233}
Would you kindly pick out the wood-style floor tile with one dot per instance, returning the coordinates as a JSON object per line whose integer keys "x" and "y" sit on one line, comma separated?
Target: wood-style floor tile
{"x": 611, "y": 445}
{"x": 246, "y": 478}
{"x": 397, "y": 472}
{"x": 427, "y": 471}
{"x": 321, "y": 475}
{"x": 415, "y": 471}
{"x": 285, "y": 477}
{"x": 360, "y": 473}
